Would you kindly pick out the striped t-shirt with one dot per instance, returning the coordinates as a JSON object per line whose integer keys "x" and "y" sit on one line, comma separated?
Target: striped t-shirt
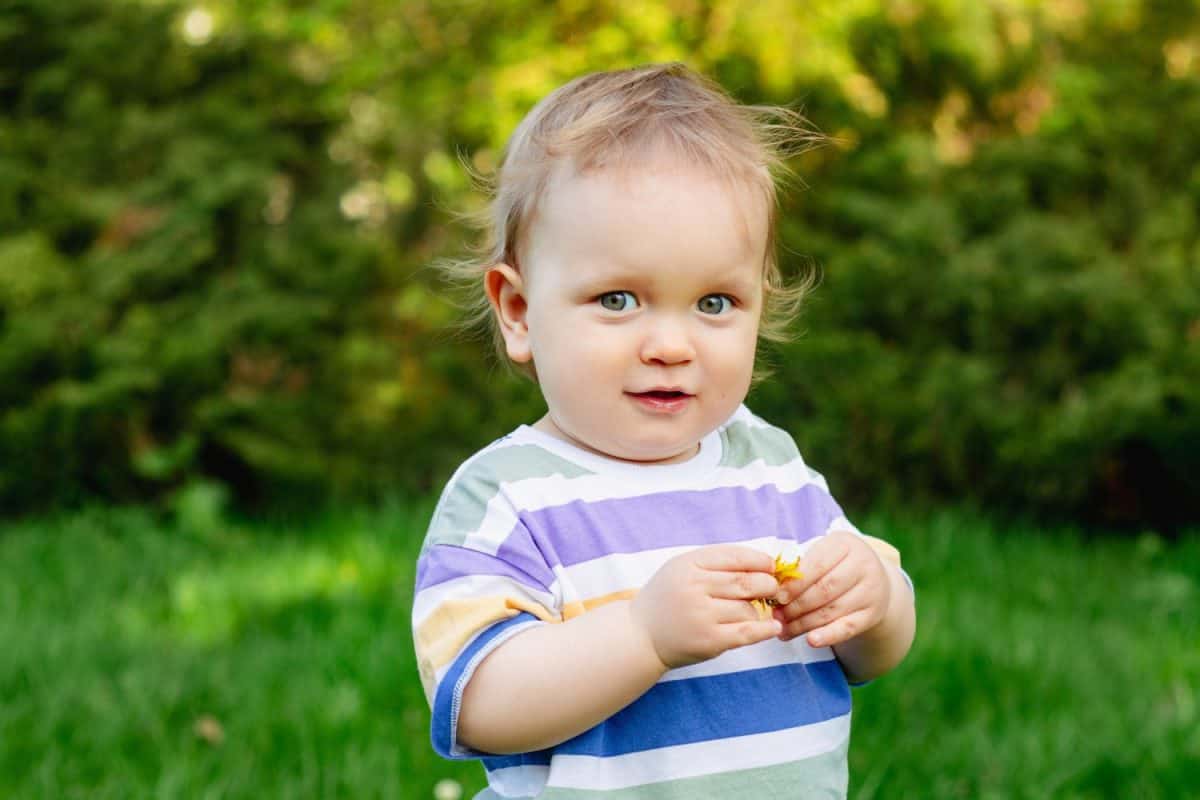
{"x": 533, "y": 531}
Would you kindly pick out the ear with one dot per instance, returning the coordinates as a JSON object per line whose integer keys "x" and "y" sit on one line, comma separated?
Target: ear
{"x": 506, "y": 292}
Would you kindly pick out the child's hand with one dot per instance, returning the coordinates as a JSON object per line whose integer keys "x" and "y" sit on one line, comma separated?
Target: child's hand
{"x": 845, "y": 591}
{"x": 696, "y": 606}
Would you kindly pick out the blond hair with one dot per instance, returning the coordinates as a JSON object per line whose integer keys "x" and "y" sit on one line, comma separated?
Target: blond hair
{"x": 612, "y": 119}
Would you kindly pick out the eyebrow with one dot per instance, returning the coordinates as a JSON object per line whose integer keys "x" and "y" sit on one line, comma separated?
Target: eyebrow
{"x": 620, "y": 277}
{"x": 735, "y": 285}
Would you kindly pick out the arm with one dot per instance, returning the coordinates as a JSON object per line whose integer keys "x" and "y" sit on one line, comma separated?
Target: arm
{"x": 851, "y": 600}
{"x": 556, "y": 681}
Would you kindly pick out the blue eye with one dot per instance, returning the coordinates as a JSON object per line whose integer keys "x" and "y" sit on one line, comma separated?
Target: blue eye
{"x": 714, "y": 304}
{"x": 617, "y": 301}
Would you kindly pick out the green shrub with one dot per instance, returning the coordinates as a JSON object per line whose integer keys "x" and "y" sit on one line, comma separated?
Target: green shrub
{"x": 154, "y": 320}
{"x": 213, "y": 241}
{"x": 1022, "y": 328}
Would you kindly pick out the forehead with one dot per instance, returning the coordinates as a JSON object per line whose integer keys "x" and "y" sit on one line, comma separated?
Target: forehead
{"x": 647, "y": 214}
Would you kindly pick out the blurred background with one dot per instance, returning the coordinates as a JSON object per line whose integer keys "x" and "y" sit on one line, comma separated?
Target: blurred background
{"x": 231, "y": 387}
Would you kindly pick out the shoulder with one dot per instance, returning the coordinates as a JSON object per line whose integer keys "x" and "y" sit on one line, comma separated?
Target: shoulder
{"x": 477, "y": 488}
{"x": 747, "y": 437}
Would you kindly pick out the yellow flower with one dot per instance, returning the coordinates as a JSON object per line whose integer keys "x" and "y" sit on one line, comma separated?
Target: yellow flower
{"x": 784, "y": 571}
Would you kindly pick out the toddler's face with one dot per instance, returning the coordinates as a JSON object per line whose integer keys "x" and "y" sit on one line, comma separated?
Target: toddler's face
{"x": 641, "y": 292}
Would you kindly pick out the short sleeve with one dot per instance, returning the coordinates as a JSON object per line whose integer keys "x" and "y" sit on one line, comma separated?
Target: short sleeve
{"x": 480, "y": 581}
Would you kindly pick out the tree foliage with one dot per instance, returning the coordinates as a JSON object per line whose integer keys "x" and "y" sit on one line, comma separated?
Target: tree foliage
{"x": 216, "y": 220}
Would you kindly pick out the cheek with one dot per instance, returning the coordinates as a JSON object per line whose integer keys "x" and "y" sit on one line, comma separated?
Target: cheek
{"x": 570, "y": 362}
{"x": 736, "y": 360}
{"x": 738, "y": 347}
{"x": 578, "y": 342}
{"x": 750, "y": 341}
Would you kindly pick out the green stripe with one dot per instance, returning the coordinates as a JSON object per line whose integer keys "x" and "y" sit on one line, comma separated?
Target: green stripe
{"x": 823, "y": 776}
{"x": 463, "y": 508}
{"x": 743, "y": 444}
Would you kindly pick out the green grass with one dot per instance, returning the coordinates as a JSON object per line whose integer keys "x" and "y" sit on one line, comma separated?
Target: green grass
{"x": 140, "y": 660}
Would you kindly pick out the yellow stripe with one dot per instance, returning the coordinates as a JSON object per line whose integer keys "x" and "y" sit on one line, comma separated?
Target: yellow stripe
{"x": 572, "y": 610}
{"x": 447, "y": 630}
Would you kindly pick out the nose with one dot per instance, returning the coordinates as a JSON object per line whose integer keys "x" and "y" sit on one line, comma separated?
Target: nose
{"x": 667, "y": 341}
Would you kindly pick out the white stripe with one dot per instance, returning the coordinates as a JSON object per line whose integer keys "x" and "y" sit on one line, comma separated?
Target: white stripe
{"x": 612, "y": 573}
{"x": 770, "y": 653}
{"x": 816, "y": 478}
{"x": 842, "y": 524}
{"x": 532, "y": 494}
{"x": 699, "y": 758}
{"x": 499, "y": 517}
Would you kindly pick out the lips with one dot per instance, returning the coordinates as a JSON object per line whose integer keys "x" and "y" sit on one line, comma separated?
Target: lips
{"x": 667, "y": 401}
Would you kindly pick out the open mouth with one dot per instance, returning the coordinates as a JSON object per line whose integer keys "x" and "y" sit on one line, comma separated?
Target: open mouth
{"x": 662, "y": 401}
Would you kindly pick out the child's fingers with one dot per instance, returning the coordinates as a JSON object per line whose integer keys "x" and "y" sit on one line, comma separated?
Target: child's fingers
{"x": 742, "y": 585}
{"x": 740, "y": 634}
{"x": 840, "y": 630}
{"x": 797, "y": 598}
{"x": 850, "y": 602}
{"x": 729, "y": 611}
{"x": 733, "y": 558}
{"x": 825, "y": 554}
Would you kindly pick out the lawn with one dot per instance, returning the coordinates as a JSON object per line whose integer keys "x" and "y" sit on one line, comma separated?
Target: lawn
{"x": 265, "y": 660}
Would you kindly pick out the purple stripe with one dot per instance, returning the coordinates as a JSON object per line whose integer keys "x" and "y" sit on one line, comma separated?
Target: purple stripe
{"x": 442, "y": 563}
{"x": 580, "y": 531}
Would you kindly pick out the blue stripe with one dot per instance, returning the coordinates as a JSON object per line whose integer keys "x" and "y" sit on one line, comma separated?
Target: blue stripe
{"x": 707, "y": 708}
{"x": 720, "y": 707}
{"x": 449, "y": 693}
